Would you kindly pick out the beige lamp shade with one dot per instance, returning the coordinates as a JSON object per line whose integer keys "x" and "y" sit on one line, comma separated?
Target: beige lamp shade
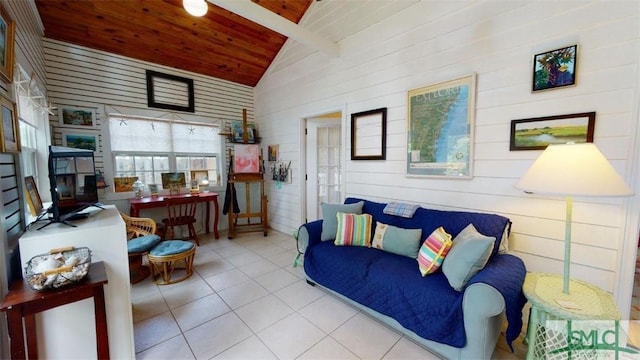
{"x": 573, "y": 169}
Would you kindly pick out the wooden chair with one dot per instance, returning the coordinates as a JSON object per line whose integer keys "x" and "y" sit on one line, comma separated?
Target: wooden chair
{"x": 141, "y": 238}
{"x": 181, "y": 212}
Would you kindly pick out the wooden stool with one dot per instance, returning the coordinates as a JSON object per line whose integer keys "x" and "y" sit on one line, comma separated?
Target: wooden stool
{"x": 168, "y": 256}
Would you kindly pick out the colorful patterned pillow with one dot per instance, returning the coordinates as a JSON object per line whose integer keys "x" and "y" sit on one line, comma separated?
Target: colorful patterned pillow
{"x": 389, "y": 238}
{"x": 353, "y": 230}
{"x": 433, "y": 251}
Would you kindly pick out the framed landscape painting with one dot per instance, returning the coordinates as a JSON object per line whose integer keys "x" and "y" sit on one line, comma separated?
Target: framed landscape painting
{"x": 87, "y": 140}
{"x": 81, "y": 118}
{"x": 537, "y": 133}
{"x": 440, "y": 137}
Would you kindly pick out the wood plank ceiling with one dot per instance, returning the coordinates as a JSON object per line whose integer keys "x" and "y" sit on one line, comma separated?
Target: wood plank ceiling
{"x": 220, "y": 44}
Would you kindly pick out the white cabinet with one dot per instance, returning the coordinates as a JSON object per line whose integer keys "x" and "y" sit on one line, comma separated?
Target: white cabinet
{"x": 66, "y": 332}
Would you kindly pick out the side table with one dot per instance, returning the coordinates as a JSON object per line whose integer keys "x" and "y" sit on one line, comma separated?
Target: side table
{"x": 549, "y": 303}
{"x": 23, "y": 302}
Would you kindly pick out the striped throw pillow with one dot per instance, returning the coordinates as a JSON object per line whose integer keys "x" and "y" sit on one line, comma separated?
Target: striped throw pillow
{"x": 353, "y": 230}
{"x": 433, "y": 251}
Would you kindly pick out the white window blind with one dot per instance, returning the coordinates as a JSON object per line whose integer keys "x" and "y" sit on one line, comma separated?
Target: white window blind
{"x": 160, "y": 135}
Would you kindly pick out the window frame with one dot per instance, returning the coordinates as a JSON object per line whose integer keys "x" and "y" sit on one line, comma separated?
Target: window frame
{"x": 110, "y": 161}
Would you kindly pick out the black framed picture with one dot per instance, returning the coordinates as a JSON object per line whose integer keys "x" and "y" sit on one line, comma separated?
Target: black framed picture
{"x": 538, "y": 133}
{"x": 555, "y": 68}
{"x": 172, "y": 92}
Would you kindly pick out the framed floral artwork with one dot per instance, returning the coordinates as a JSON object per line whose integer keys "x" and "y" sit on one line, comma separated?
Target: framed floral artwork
{"x": 555, "y": 68}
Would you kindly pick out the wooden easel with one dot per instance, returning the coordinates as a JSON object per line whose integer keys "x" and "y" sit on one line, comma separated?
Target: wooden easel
{"x": 248, "y": 179}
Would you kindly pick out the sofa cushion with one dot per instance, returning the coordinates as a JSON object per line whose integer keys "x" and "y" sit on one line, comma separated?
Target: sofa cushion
{"x": 405, "y": 242}
{"x": 433, "y": 251}
{"x": 430, "y": 219}
{"x": 469, "y": 253}
{"x": 353, "y": 230}
{"x": 329, "y": 220}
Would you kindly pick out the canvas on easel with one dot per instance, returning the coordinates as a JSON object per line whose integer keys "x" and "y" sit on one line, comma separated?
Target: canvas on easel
{"x": 246, "y": 159}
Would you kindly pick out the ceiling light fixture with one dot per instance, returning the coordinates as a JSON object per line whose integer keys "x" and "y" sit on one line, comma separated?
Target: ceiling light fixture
{"x": 195, "y": 7}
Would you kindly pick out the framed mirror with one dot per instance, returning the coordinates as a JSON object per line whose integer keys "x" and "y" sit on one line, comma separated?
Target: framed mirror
{"x": 369, "y": 135}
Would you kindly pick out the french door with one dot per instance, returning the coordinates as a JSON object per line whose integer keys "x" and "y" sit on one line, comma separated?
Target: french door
{"x": 324, "y": 172}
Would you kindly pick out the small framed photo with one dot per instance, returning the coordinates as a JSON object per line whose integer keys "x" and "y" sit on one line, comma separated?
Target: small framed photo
{"x": 78, "y": 139}
{"x": 33, "y": 196}
{"x": 74, "y": 117}
{"x": 555, "y": 68}
{"x": 153, "y": 189}
{"x": 273, "y": 152}
{"x": 10, "y": 139}
{"x": 538, "y": 133}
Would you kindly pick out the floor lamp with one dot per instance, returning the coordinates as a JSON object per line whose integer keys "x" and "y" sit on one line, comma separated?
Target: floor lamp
{"x": 572, "y": 170}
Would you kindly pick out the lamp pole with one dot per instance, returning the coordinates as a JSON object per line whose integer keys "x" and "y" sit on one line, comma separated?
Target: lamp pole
{"x": 567, "y": 245}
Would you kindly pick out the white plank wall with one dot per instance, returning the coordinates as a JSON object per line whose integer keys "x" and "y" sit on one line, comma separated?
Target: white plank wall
{"x": 422, "y": 43}
{"x": 82, "y": 77}
{"x": 28, "y": 53}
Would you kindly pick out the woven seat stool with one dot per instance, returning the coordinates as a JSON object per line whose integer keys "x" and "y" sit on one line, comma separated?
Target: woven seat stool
{"x": 168, "y": 256}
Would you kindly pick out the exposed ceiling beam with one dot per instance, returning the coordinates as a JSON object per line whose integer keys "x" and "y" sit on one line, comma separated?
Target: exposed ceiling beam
{"x": 256, "y": 13}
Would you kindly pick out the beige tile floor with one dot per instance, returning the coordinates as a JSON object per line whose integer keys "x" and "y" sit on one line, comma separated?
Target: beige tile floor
{"x": 246, "y": 301}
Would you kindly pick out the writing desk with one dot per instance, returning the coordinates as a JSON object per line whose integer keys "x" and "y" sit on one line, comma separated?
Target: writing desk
{"x": 135, "y": 205}
{"x": 23, "y": 302}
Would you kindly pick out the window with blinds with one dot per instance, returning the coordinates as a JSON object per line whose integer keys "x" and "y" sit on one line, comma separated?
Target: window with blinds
{"x": 148, "y": 147}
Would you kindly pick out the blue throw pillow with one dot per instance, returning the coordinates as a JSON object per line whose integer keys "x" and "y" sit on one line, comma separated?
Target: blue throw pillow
{"x": 330, "y": 221}
{"x": 468, "y": 255}
{"x": 405, "y": 242}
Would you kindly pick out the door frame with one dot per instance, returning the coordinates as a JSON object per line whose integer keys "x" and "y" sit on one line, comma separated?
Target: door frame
{"x": 302, "y": 125}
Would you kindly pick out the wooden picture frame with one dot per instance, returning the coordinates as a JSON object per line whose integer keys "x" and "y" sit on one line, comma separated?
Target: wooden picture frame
{"x": 440, "y": 131}
{"x": 166, "y": 91}
{"x": 34, "y": 202}
{"x": 538, "y": 133}
{"x": 555, "y": 68}
{"x": 7, "y": 43}
{"x": 369, "y": 135}
{"x": 10, "y": 139}
{"x": 76, "y": 117}
{"x": 79, "y": 139}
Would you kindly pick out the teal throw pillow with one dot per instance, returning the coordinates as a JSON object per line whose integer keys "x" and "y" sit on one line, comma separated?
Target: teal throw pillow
{"x": 405, "y": 242}
{"x": 330, "y": 221}
{"x": 468, "y": 255}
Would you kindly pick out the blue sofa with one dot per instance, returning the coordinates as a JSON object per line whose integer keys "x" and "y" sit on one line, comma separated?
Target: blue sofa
{"x": 454, "y": 324}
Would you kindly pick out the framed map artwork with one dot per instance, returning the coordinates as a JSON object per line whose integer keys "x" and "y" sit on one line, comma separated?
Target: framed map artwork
{"x": 440, "y": 129}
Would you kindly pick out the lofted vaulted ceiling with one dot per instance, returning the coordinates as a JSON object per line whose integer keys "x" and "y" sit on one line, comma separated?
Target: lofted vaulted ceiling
{"x": 220, "y": 44}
